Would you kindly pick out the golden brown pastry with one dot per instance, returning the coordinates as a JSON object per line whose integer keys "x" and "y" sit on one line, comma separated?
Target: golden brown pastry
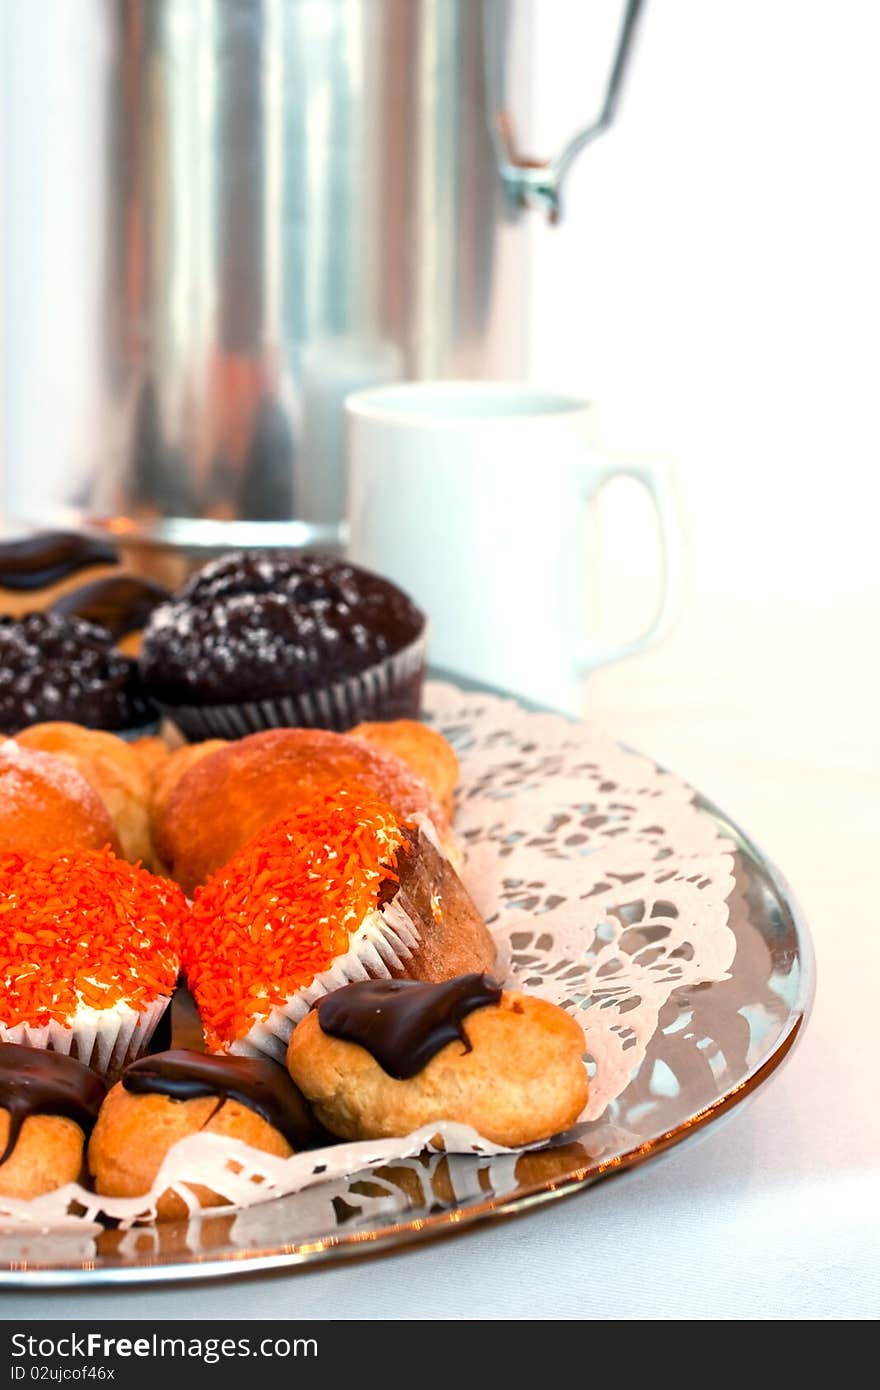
{"x": 46, "y": 804}
{"x": 379, "y": 1059}
{"x": 152, "y": 752}
{"x": 48, "y": 1154}
{"x": 221, "y": 802}
{"x": 178, "y": 762}
{"x": 167, "y": 1097}
{"x": 423, "y": 750}
{"x": 111, "y": 768}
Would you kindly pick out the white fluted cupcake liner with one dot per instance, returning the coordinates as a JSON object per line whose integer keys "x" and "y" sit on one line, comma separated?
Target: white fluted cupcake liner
{"x": 106, "y": 1040}
{"x": 389, "y": 690}
{"x": 382, "y": 944}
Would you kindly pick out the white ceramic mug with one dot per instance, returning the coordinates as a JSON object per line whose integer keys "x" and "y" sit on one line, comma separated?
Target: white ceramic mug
{"x": 472, "y": 496}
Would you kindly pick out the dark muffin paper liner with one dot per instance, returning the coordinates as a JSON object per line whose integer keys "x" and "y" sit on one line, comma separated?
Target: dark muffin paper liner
{"x": 392, "y": 689}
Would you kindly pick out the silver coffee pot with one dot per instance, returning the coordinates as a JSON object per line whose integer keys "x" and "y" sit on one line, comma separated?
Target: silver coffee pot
{"x": 223, "y": 215}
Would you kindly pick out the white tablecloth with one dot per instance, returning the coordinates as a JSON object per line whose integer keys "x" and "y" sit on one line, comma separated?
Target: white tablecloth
{"x": 773, "y": 1213}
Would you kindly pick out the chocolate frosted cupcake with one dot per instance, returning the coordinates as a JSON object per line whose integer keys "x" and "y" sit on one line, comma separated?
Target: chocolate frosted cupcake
{"x": 271, "y": 638}
{"x": 52, "y": 667}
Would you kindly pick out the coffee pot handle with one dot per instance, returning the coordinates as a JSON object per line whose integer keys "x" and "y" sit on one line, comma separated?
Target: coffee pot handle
{"x": 535, "y": 183}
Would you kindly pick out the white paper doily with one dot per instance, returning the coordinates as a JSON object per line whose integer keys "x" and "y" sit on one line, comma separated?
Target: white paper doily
{"x": 606, "y": 890}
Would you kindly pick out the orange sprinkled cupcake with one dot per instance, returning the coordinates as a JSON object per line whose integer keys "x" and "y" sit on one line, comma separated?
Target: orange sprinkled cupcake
{"x": 341, "y": 889}
{"x": 291, "y": 916}
{"x": 88, "y": 953}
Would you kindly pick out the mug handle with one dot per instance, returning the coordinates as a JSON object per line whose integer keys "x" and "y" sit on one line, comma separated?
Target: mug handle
{"x": 661, "y": 488}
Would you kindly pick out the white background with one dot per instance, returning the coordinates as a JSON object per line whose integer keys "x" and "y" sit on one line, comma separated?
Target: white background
{"x": 715, "y": 284}
{"x": 718, "y": 282}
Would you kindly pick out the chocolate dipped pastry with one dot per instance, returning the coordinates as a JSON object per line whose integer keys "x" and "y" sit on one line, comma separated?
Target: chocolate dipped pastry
{"x": 340, "y": 888}
{"x": 404, "y": 1023}
{"x": 55, "y": 668}
{"x": 261, "y": 639}
{"x": 380, "y": 1058}
{"x": 171, "y": 1095}
{"x": 36, "y": 571}
{"x": 48, "y": 1105}
{"x": 121, "y": 604}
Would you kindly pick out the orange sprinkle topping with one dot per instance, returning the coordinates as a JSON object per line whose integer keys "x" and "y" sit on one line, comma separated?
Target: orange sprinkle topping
{"x": 285, "y": 906}
{"x": 83, "y": 927}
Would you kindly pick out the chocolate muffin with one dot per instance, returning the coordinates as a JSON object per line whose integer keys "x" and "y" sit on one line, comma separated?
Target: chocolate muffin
{"x": 263, "y": 639}
{"x": 52, "y": 667}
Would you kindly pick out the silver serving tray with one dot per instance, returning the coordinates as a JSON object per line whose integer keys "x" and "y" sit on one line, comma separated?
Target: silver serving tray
{"x": 739, "y": 1031}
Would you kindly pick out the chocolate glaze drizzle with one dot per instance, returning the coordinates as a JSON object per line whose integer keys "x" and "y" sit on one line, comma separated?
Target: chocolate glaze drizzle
{"x": 34, "y": 1081}
{"x": 404, "y": 1023}
{"x": 261, "y": 1085}
{"x": 36, "y": 561}
{"x": 121, "y": 604}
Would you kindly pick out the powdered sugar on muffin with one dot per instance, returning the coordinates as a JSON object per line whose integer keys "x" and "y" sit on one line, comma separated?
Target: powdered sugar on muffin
{"x": 54, "y": 667}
